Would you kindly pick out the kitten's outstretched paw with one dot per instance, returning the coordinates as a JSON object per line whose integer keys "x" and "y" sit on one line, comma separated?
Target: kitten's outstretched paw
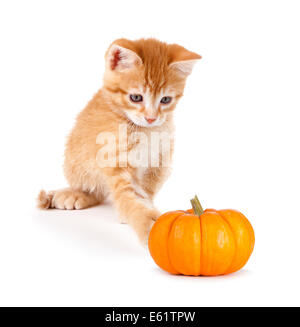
{"x": 144, "y": 236}
{"x": 144, "y": 226}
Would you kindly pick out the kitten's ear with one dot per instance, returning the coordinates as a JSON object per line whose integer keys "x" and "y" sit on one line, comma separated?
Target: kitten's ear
{"x": 119, "y": 58}
{"x": 184, "y": 67}
{"x": 182, "y": 60}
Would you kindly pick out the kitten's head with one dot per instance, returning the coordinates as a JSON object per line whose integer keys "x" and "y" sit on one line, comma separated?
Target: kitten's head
{"x": 146, "y": 78}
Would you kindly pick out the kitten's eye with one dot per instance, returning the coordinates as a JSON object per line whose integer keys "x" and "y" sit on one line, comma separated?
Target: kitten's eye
{"x": 136, "y": 97}
{"x": 165, "y": 100}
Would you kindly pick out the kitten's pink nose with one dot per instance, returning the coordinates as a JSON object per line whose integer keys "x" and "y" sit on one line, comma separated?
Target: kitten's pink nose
{"x": 150, "y": 120}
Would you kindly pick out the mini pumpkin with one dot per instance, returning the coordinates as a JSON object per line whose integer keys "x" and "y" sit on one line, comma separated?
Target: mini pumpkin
{"x": 201, "y": 242}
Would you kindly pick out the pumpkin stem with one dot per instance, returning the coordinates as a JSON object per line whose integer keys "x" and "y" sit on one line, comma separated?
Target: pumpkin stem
{"x": 197, "y": 207}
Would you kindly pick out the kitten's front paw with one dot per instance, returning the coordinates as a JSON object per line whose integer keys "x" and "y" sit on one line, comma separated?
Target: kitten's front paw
{"x": 144, "y": 225}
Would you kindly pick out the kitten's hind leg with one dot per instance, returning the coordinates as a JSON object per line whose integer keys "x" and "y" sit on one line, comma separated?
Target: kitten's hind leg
{"x": 66, "y": 199}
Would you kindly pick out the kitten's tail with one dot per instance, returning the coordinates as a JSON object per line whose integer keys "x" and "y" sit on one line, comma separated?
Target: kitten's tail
{"x": 44, "y": 199}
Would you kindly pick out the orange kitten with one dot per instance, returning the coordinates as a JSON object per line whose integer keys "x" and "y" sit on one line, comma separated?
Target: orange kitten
{"x": 121, "y": 146}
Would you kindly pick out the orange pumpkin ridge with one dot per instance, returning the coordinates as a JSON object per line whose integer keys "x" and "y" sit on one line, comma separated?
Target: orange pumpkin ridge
{"x": 233, "y": 233}
{"x": 158, "y": 240}
{"x": 184, "y": 244}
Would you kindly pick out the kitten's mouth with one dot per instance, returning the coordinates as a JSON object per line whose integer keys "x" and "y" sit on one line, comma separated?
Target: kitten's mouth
{"x": 142, "y": 122}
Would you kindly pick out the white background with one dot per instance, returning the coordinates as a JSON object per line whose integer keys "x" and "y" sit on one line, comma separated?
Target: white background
{"x": 237, "y": 147}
